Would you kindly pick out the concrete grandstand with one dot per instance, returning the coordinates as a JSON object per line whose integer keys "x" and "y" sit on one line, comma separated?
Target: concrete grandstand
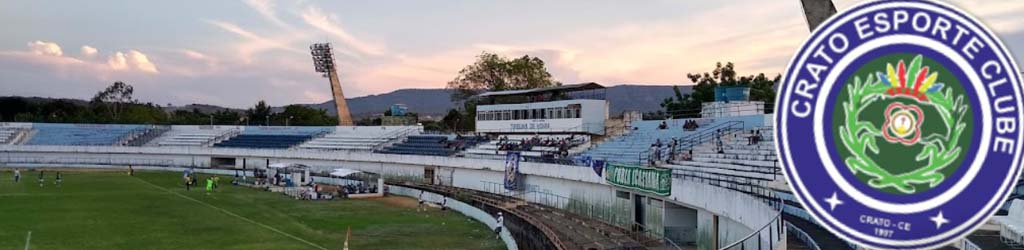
{"x": 723, "y": 189}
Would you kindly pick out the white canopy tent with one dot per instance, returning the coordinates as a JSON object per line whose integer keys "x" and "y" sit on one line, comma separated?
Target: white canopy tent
{"x": 280, "y": 165}
{"x": 344, "y": 172}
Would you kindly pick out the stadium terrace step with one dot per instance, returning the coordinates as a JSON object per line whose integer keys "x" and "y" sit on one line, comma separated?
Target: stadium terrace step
{"x": 571, "y": 231}
{"x": 734, "y": 151}
{"x": 12, "y": 135}
{"x": 542, "y": 145}
{"x": 823, "y": 238}
{"x": 436, "y": 145}
{"x": 987, "y": 239}
{"x": 195, "y": 136}
{"x": 263, "y": 141}
{"x": 741, "y": 162}
{"x": 735, "y": 156}
{"x": 731, "y": 167}
{"x": 83, "y": 134}
{"x": 724, "y": 172}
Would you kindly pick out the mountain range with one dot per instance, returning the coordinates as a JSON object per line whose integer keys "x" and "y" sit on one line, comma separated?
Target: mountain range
{"x": 437, "y": 102}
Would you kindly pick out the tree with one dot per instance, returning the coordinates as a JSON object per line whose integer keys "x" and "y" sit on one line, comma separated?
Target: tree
{"x": 492, "y": 72}
{"x": 300, "y": 115}
{"x": 762, "y": 89}
{"x": 683, "y": 106}
{"x": 259, "y": 113}
{"x": 689, "y": 105}
{"x": 114, "y": 99}
{"x": 226, "y": 116}
{"x": 12, "y": 106}
{"x": 452, "y": 120}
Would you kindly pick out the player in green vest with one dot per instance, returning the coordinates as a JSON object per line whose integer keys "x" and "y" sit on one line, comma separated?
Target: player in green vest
{"x": 209, "y": 185}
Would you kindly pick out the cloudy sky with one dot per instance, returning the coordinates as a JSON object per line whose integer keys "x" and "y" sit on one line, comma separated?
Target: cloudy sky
{"x": 233, "y": 53}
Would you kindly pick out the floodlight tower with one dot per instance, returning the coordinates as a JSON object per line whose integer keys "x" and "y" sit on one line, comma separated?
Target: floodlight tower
{"x": 817, "y": 11}
{"x": 323, "y": 62}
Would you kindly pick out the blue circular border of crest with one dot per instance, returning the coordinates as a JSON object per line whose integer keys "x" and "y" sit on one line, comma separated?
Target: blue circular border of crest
{"x": 994, "y": 165}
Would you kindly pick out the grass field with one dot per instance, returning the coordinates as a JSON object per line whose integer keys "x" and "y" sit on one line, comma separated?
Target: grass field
{"x": 152, "y": 210}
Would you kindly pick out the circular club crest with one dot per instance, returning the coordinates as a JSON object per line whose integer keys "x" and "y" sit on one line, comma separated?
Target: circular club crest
{"x": 899, "y": 124}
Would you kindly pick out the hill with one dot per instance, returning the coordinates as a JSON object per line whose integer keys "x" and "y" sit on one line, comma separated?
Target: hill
{"x": 437, "y": 101}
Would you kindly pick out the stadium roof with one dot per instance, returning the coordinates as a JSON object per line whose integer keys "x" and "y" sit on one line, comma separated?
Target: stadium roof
{"x": 561, "y": 88}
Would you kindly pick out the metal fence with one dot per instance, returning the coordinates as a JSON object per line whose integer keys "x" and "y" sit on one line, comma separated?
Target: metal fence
{"x": 616, "y": 213}
{"x": 803, "y": 236}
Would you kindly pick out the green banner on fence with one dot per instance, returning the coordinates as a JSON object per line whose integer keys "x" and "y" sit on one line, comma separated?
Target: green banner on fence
{"x": 652, "y": 180}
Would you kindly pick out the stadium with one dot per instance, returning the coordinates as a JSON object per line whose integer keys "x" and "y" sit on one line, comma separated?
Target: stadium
{"x": 543, "y": 168}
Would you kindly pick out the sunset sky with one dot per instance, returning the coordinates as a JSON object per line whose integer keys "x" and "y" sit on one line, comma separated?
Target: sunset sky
{"x": 233, "y": 53}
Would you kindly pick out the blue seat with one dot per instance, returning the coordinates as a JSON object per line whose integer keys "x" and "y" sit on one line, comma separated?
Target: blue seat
{"x": 272, "y": 137}
{"x": 420, "y": 145}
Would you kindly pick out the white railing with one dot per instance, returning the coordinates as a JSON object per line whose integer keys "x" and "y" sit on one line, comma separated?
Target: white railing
{"x": 803, "y": 236}
{"x": 465, "y": 209}
{"x": 968, "y": 245}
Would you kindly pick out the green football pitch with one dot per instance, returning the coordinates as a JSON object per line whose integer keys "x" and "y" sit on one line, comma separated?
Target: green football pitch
{"x": 152, "y": 210}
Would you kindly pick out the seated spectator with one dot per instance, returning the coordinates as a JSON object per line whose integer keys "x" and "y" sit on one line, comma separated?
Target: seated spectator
{"x": 755, "y": 137}
{"x": 685, "y": 156}
{"x": 663, "y": 125}
{"x": 690, "y": 125}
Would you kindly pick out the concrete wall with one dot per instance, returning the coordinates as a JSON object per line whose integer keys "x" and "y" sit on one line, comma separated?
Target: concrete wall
{"x": 680, "y": 224}
{"x": 738, "y": 214}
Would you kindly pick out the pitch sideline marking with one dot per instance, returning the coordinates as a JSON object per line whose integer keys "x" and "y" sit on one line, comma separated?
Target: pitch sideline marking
{"x": 232, "y": 214}
{"x": 28, "y": 239}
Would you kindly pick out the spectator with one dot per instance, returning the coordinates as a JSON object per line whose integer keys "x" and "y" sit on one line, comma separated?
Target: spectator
{"x": 690, "y": 125}
{"x": 755, "y": 137}
{"x": 663, "y": 125}
{"x": 500, "y": 222}
{"x": 718, "y": 141}
{"x": 653, "y": 156}
{"x": 421, "y": 205}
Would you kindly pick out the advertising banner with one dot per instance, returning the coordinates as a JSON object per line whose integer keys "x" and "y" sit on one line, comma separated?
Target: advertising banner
{"x": 512, "y": 171}
{"x": 652, "y": 180}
